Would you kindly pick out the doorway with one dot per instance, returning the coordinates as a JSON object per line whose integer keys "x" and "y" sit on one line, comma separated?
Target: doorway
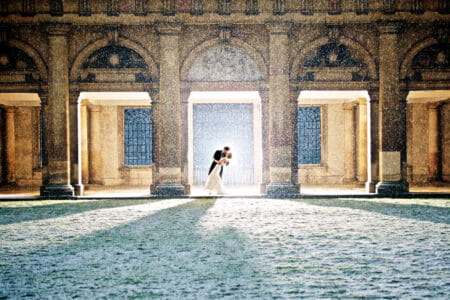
{"x": 218, "y": 119}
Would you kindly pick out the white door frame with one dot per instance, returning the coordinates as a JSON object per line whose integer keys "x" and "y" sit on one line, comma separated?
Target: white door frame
{"x": 227, "y": 97}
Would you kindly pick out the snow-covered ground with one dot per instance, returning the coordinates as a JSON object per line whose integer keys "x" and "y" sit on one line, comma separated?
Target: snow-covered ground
{"x": 225, "y": 248}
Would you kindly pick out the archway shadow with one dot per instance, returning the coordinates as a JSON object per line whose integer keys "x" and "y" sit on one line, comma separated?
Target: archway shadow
{"x": 161, "y": 255}
{"x": 410, "y": 211}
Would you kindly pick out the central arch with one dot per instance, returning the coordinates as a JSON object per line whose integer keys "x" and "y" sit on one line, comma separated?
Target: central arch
{"x": 225, "y": 76}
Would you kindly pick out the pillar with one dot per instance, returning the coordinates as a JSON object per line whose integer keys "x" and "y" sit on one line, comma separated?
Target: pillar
{"x": 433, "y": 141}
{"x": 264, "y": 94}
{"x": 185, "y": 92}
{"x": 362, "y": 141}
{"x": 94, "y": 145}
{"x": 84, "y": 142}
{"x": 373, "y": 152}
{"x": 10, "y": 148}
{"x": 392, "y": 115}
{"x": 282, "y": 177}
{"x": 75, "y": 164}
{"x": 349, "y": 143}
{"x": 167, "y": 169}
{"x": 57, "y": 183}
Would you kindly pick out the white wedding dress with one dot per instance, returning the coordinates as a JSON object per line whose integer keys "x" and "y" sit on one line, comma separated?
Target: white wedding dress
{"x": 214, "y": 182}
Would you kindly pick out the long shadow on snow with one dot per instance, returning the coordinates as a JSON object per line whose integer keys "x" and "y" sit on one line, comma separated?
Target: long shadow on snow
{"x": 410, "y": 211}
{"x": 164, "y": 254}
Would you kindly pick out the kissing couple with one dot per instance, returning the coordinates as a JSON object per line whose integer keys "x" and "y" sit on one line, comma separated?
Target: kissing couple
{"x": 214, "y": 182}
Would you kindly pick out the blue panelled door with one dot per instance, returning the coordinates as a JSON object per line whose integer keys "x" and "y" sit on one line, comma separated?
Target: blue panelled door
{"x": 218, "y": 125}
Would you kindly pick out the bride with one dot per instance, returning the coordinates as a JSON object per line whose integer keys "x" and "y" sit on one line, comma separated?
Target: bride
{"x": 214, "y": 182}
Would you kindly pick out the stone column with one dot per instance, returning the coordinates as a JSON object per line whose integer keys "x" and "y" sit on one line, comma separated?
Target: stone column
{"x": 43, "y": 95}
{"x": 281, "y": 112}
{"x": 57, "y": 117}
{"x": 94, "y": 145}
{"x": 84, "y": 142}
{"x": 373, "y": 170}
{"x": 392, "y": 115}
{"x": 349, "y": 143}
{"x": 433, "y": 141}
{"x": 185, "y": 92}
{"x": 362, "y": 141}
{"x": 75, "y": 161}
{"x": 167, "y": 171}
{"x": 264, "y": 94}
{"x": 10, "y": 136}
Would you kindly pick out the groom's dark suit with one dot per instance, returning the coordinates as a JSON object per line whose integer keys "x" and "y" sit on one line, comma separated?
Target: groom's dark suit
{"x": 217, "y": 156}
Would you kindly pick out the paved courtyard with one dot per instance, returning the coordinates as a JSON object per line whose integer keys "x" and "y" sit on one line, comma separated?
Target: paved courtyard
{"x": 225, "y": 248}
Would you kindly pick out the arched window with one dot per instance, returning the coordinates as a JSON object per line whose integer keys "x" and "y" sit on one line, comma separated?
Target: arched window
{"x": 309, "y": 135}
{"x": 138, "y": 137}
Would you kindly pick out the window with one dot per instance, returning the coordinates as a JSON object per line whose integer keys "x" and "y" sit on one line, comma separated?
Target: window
{"x": 138, "y": 137}
{"x": 309, "y": 136}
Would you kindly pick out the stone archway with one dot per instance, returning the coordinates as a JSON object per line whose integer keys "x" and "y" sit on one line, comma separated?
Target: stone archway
{"x": 357, "y": 52}
{"x": 407, "y": 60}
{"x": 150, "y": 64}
{"x": 235, "y": 50}
{"x": 226, "y": 70}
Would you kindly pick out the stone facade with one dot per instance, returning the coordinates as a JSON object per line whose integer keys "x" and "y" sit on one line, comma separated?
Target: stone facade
{"x": 53, "y": 51}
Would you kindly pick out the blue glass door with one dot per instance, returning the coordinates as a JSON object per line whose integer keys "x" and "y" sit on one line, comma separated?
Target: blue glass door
{"x": 225, "y": 124}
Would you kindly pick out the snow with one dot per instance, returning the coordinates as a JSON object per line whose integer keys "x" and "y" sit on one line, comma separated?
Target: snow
{"x": 225, "y": 248}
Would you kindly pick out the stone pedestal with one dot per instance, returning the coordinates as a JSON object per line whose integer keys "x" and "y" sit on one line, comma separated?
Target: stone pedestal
{"x": 167, "y": 168}
{"x": 349, "y": 143}
{"x": 57, "y": 141}
{"x": 392, "y": 116}
{"x": 10, "y": 137}
{"x": 282, "y": 115}
{"x": 433, "y": 142}
{"x": 75, "y": 163}
{"x": 362, "y": 141}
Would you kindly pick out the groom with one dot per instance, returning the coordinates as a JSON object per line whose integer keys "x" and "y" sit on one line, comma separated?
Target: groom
{"x": 218, "y": 156}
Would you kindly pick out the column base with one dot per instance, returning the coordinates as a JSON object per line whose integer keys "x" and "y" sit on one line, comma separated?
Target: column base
{"x": 78, "y": 189}
{"x": 263, "y": 188}
{"x": 282, "y": 190}
{"x": 392, "y": 188}
{"x": 168, "y": 189}
{"x": 371, "y": 186}
{"x": 57, "y": 191}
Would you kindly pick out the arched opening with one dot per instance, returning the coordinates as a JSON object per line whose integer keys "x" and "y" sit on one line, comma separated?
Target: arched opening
{"x": 224, "y": 109}
{"x": 334, "y": 141}
{"x": 425, "y": 70}
{"x": 115, "y": 143}
{"x": 21, "y": 159}
{"x": 226, "y": 118}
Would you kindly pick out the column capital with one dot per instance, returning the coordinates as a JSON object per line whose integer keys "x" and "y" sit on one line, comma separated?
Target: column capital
{"x": 389, "y": 27}
{"x": 10, "y": 109}
{"x": 58, "y": 29}
{"x": 278, "y": 27}
{"x": 73, "y": 97}
{"x": 433, "y": 105}
{"x": 94, "y": 108}
{"x": 168, "y": 28}
{"x": 374, "y": 95}
{"x": 43, "y": 95}
{"x": 349, "y": 105}
{"x": 362, "y": 101}
{"x": 154, "y": 95}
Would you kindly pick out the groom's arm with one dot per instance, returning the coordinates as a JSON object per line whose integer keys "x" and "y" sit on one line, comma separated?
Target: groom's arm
{"x": 217, "y": 156}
